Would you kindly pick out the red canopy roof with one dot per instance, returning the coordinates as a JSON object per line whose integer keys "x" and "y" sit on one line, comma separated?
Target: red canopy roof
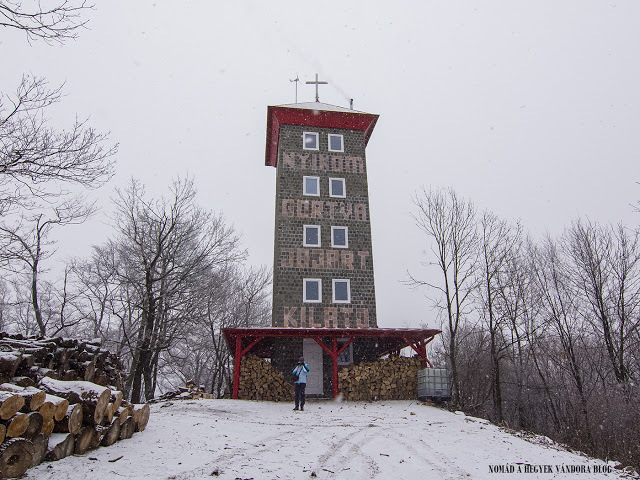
{"x": 390, "y": 339}
{"x": 313, "y": 115}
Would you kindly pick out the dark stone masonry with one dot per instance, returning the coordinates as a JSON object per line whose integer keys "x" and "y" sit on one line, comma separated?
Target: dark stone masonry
{"x": 309, "y": 253}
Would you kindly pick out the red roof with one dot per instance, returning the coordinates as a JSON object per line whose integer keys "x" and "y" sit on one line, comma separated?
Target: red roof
{"x": 313, "y": 115}
{"x": 390, "y": 338}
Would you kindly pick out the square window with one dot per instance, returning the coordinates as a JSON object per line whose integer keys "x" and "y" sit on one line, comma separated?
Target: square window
{"x": 341, "y": 291}
{"x": 336, "y": 143}
{"x": 310, "y": 141}
{"x": 311, "y": 186}
{"x": 312, "y": 290}
{"x": 337, "y": 187}
{"x": 311, "y": 236}
{"x": 340, "y": 237}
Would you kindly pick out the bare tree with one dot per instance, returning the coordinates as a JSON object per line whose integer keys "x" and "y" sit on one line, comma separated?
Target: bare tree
{"x": 562, "y": 311}
{"x": 35, "y": 159}
{"x": 606, "y": 274}
{"x": 234, "y": 296}
{"x": 95, "y": 284}
{"x": 58, "y": 22}
{"x": 450, "y": 225}
{"x": 498, "y": 244}
{"x": 165, "y": 249}
{"x": 26, "y": 244}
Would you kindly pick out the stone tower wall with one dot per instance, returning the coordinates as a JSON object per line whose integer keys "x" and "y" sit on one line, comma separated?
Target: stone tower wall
{"x": 294, "y": 262}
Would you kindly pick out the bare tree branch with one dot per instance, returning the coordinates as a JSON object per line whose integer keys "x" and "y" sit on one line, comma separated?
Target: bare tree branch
{"x": 35, "y": 158}
{"x": 56, "y": 23}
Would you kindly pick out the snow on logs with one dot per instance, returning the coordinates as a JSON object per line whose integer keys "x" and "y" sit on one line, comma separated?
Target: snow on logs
{"x": 59, "y": 385}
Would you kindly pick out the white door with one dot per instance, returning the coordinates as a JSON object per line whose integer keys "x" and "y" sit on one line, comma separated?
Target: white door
{"x": 312, "y": 353}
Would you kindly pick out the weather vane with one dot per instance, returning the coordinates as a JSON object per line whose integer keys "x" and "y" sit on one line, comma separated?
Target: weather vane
{"x": 297, "y": 80}
{"x": 316, "y": 83}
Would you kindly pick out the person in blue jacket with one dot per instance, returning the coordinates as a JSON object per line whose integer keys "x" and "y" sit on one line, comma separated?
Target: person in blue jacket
{"x": 300, "y": 371}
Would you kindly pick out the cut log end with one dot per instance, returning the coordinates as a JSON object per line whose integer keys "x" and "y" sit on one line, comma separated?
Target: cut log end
{"x": 72, "y": 421}
{"x": 84, "y": 440}
{"x": 40, "y": 445}
{"x": 141, "y": 416}
{"x": 16, "y": 456}
{"x": 61, "y": 445}
{"x": 10, "y": 404}
{"x": 127, "y": 429}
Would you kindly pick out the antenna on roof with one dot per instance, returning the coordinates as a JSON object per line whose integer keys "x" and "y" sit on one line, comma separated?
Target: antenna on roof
{"x": 297, "y": 80}
{"x": 316, "y": 83}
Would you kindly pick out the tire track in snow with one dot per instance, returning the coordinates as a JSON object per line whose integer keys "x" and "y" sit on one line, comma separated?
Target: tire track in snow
{"x": 236, "y": 457}
{"x": 352, "y": 445}
{"x": 437, "y": 460}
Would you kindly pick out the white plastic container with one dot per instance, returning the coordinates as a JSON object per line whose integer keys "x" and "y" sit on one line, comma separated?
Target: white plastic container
{"x": 434, "y": 383}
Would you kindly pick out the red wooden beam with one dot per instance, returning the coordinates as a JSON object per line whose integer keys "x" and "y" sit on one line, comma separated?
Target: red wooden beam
{"x": 238, "y": 358}
{"x": 251, "y": 345}
{"x": 334, "y": 353}
{"x": 347, "y": 343}
{"x": 236, "y": 367}
{"x": 335, "y": 367}
{"x": 324, "y": 347}
{"x": 420, "y": 347}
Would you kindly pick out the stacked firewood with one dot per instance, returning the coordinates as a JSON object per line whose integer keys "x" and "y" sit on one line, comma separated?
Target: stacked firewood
{"x": 59, "y": 358}
{"x": 392, "y": 378}
{"x": 259, "y": 380}
{"x": 48, "y": 410}
{"x": 190, "y": 391}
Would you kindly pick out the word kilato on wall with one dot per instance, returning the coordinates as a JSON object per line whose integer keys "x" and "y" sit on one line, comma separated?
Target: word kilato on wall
{"x": 326, "y": 317}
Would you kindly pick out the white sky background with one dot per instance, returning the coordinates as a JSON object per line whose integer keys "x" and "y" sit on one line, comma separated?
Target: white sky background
{"x": 529, "y": 108}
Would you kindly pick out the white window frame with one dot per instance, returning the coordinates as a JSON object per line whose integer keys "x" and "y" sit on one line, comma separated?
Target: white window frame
{"x": 348, "y": 349}
{"x": 304, "y": 186}
{"x": 341, "y": 142}
{"x": 344, "y": 188}
{"x": 304, "y": 138}
{"x": 304, "y": 290}
{"x": 304, "y": 235}
{"x": 333, "y": 290}
{"x": 346, "y": 237}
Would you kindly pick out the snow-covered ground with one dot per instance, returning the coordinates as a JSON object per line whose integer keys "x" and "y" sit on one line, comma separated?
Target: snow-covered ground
{"x": 227, "y": 439}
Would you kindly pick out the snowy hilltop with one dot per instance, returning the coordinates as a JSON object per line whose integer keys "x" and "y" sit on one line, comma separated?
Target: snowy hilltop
{"x": 231, "y": 439}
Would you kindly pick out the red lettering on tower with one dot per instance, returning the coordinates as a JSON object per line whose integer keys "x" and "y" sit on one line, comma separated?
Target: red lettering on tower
{"x": 290, "y": 319}
{"x": 362, "y": 317}
{"x": 288, "y": 207}
{"x": 330, "y": 317}
{"x": 363, "y": 254}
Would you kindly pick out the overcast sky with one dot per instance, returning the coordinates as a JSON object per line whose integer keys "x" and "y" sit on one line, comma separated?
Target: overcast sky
{"x": 529, "y": 108}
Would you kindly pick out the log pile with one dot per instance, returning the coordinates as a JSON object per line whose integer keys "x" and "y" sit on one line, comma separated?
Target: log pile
{"x": 59, "y": 397}
{"x": 190, "y": 391}
{"x": 259, "y": 380}
{"x": 31, "y": 359}
{"x": 392, "y": 378}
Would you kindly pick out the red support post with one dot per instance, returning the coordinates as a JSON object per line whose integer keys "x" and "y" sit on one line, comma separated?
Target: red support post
{"x": 335, "y": 367}
{"x": 420, "y": 347}
{"x": 236, "y": 368}
{"x": 333, "y": 353}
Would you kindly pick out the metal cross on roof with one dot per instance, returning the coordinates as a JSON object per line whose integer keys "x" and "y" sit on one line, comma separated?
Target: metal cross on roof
{"x": 316, "y": 83}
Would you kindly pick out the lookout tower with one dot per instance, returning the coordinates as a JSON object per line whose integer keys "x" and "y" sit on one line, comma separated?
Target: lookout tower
{"x": 323, "y": 258}
{"x": 324, "y": 300}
